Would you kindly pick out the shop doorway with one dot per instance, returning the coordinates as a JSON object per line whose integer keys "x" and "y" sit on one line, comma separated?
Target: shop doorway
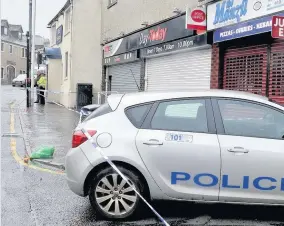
{"x": 254, "y": 64}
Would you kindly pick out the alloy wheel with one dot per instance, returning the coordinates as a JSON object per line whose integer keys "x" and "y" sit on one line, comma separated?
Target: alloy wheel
{"x": 114, "y": 196}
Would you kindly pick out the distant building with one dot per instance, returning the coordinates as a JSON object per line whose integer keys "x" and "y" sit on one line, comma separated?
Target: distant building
{"x": 13, "y": 51}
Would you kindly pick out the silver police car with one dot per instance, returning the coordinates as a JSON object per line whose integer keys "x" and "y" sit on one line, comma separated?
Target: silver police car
{"x": 210, "y": 146}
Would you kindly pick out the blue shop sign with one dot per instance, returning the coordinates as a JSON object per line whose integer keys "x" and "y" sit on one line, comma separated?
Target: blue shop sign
{"x": 244, "y": 29}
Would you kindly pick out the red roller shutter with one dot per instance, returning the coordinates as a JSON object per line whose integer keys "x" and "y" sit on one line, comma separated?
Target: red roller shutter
{"x": 245, "y": 69}
{"x": 276, "y": 75}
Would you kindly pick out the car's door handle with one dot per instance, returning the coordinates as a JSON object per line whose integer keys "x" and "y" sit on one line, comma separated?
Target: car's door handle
{"x": 153, "y": 142}
{"x": 238, "y": 150}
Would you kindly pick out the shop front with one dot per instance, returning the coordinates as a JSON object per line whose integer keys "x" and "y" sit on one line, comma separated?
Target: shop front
{"x": 181, "y": 65}
{"x": 123, "y": 73}
{"x": 163, "y": 56}
{"x": 245, "y": 56}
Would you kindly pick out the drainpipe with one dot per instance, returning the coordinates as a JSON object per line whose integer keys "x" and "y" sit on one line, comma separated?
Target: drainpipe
{"x": 71, "y": 58}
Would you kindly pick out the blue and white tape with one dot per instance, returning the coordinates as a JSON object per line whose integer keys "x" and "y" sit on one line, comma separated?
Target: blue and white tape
{"x": 122, "y": 175}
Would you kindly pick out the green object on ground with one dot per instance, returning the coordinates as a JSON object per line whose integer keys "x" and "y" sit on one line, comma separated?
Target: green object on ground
{"x": 44, "y": 152}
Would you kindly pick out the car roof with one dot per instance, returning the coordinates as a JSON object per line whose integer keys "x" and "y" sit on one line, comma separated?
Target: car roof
{"x": 148, "y": 96}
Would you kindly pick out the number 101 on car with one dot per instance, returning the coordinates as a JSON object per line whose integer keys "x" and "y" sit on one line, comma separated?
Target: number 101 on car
{"x": 177, "y": 137}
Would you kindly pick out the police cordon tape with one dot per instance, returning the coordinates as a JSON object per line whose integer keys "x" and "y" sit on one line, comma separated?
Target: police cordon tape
{"x": 92, "y": 141}
{"x": 46, "y": 91}
{"x": 122, "y": 175}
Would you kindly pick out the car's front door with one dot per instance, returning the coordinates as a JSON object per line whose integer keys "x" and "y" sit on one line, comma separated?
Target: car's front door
{"x": 179, "y": 146}
{"x": 252, "y": 151}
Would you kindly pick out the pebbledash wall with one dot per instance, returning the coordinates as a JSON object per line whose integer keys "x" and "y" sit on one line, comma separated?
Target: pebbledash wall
{"x": 244, "y": 55}
{"x": 163, "y": 56}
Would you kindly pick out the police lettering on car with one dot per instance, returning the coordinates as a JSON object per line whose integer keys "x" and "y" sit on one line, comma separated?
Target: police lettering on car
{"x": 245, "y": 183}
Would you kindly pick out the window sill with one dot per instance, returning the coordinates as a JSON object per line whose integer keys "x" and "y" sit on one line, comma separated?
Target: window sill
{"x": 111, "y": 5}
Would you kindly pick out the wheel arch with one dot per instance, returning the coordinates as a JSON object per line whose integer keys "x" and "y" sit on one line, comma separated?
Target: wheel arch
{"x": 128, "y": 166}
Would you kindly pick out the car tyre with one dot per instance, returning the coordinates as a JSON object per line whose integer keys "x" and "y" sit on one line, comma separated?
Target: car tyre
{"x": 95, "y": 195}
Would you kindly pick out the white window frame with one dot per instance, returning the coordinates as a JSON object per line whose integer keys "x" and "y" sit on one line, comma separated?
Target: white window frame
{"x": 67, "y": 20}
{"x": 23, "y": 50}
{"x": 2, "y": 44}
{"x": 11, "y": 49}
{"x": 53, "y": 34}
{"x": 5, "y": 31}
{"x": 2, "y": 74}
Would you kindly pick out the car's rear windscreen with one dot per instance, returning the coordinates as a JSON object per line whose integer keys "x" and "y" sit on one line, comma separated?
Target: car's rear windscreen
{"x": 102, "y": 110}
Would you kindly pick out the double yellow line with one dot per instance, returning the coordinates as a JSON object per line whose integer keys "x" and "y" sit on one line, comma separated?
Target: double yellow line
{"x": 13, "y": 146}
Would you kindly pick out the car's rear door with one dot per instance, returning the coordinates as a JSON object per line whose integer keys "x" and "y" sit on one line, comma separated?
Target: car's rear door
{"x": 179, "y": 146}
{"x": 252, "y": 150}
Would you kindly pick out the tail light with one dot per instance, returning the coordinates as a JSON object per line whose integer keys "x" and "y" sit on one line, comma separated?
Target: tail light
{"x": 79, "y": 137}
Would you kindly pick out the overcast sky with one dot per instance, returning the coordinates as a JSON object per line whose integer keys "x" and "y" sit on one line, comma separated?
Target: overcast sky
{"x": 17, "y": 12}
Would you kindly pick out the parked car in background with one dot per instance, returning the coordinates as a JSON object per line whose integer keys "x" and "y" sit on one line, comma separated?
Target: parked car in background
{"x": 20, "y": 80}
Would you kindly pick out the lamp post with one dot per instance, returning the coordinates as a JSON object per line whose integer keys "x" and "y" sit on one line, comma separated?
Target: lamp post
{"x": 33, "y": 16}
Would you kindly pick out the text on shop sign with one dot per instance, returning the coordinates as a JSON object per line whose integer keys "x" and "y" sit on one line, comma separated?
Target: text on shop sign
{"x": 227, "y": 10}
{"x": 277, "y": 27}
{"x": 158, "y": 34}
{"x": 185, "y": 43}
{"x": 244, "y": 29}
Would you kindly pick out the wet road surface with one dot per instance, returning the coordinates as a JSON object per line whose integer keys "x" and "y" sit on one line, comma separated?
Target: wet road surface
{"x": 34, "y": 197}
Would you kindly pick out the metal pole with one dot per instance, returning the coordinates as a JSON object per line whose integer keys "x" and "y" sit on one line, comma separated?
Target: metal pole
{"x": 28, "y": 68}
{"x": 33, "y": 47}
{"x": 29, "y": 53}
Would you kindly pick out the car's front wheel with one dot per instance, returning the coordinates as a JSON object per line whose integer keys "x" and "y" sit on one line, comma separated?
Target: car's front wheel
{"x": 112, "y": 197}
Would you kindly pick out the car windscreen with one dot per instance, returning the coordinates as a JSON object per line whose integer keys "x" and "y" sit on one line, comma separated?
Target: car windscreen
{"x": 102, "y": 110}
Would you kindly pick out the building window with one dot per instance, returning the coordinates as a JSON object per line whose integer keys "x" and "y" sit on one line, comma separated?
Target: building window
{"x": 2, "y": 72}
{"x": 5, "y": 31}
{"x": 67, "y": 21}
{"x": 53, "y": 34}
{"x": 23, "y": 52}
{"x": 111, "y": 3}
{"x": 26, "y": 53}
{"x": 66, "y": 64}
{"x": 11, "y": 49}
{"x": 2, "y": 46}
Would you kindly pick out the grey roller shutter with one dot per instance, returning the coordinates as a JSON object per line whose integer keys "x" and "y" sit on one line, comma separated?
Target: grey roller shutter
{"x": 183, "y": 71}
{"x": 123, "y": 77}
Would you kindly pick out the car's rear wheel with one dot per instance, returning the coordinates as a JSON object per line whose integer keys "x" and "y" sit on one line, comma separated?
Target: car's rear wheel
{"x": 112, "y": 197}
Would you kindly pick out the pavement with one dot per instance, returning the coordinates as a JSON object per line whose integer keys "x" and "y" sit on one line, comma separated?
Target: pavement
{"x": 41, "y": 123}
{"x": 36, "y": 194}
